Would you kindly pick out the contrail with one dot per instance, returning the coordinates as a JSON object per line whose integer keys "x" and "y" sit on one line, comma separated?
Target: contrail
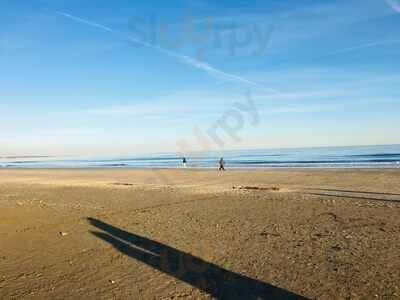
{"x": 218, "y": 73}
{"x": 343, "y": 50}
{"x": 198, "y": 64}
{"x": 362, "y": 46}
{"x": 86, "y": 22}
{"x": 212, "y": 71}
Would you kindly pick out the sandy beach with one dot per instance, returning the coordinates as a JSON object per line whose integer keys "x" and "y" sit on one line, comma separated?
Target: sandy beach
{"x": 199, "y": 234}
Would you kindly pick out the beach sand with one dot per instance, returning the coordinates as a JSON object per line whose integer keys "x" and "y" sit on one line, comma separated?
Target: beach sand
{"x": 199, "y": 234}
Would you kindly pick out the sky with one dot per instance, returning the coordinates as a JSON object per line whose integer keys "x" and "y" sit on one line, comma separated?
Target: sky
{"x": 126, "y": 77}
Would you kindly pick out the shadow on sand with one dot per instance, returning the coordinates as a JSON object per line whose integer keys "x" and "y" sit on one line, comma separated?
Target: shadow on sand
{"x": 216, "y": 281}
{"x": 338, "y": 193}
{"x": 356, "y": 192}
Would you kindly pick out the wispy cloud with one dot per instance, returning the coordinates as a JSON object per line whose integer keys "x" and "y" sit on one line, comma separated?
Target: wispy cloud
{"x": 151, "y": 111}
{"x": 297, "y": 109}
{"x": 62, "y": 132}
{"x": 137, "y": 110}
{"x": 300, "y": 95}
{"x": 179, "y": 103}
{"x": 394, "y": 4}
{"x": 206, "y": 104}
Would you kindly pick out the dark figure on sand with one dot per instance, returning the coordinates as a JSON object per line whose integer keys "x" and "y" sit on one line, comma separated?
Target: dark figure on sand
{"x": 184, "y": 161}
{"x": 221, "y": 164}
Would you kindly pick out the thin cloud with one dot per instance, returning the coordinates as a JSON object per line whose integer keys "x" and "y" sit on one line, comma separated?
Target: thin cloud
{"x": 394, "y": 4}
{"x": 205, "y": 102}
{"x": 297, "y": 109}
{"x": 140, "y": 110}
{"x": 75, "y": 131}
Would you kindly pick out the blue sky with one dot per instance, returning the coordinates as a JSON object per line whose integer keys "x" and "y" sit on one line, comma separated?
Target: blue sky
{"x": 121, "y": 77}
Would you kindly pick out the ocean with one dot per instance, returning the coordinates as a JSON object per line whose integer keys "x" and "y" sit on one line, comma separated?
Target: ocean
{"x": 383, "y": 156}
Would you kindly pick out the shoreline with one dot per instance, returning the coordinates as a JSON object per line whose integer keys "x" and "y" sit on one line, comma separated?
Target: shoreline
{"x": 207, "y": 168}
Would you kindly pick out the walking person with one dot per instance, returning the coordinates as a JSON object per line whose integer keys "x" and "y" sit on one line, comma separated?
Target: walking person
{"x": 184, "y": 162}
{"x": 221, "y": 164}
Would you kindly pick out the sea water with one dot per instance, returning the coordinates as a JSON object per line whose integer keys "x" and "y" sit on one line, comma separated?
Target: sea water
{"x": 383, "y": 156}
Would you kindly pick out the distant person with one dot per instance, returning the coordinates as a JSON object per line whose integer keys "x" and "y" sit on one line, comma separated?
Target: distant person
{"x": 221, "y": 164}
{"x": 184, "y": 162}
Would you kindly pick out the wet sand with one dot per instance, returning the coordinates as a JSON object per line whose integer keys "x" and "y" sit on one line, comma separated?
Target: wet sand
{"x": 199, "y": 234}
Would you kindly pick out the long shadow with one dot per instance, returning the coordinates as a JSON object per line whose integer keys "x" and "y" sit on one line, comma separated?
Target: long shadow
{"x": 354, "y": 192}
{"x": 354, "y": 197}
{"x": 208, "y": 277}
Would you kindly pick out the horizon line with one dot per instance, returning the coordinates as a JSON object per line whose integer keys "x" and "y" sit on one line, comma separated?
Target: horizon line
{"x": 193, "y": 152}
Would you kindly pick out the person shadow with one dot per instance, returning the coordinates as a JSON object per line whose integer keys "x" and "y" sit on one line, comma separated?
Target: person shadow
{"x": 205, "y": 276}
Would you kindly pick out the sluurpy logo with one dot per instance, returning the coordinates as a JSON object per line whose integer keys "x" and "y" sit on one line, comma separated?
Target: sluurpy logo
{"x": 395, "y": 4}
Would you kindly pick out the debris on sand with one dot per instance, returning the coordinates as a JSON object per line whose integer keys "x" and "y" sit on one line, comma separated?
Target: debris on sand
{"x": 123, "y": 184}
{"x": 257, "y": 188}
{"x": 63, "y": 233}
{"x": 264, "y": 233}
